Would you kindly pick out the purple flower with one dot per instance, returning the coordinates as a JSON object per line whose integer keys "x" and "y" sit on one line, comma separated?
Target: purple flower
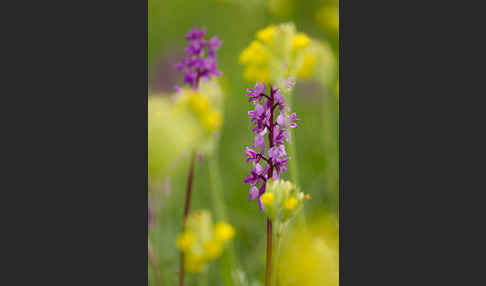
{"x": 195, "y": 34}
{"x": 256, "y": 175}
{"x": 260, "y": 141}
{"x": 276, "y": 152}
{"x": 252, "y": 155}
{"x": 253, "y": 193}
{"x": 280, "y": 100}
{"x": 293, "y": 117}
{"x": 269, "y": 118}
{"x": 177, "y": 89}
{"x": 290, "y": 82}
{"x": 200, "y": 57}
{"x": 256, "y": 92}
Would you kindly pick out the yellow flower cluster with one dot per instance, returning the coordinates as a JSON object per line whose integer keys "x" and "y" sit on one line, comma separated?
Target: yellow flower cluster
{"x": 201, "y": 242}
{"x": 267, "y": 198}
{"x": 204, "y": 107}
{"x": 278, "y": 52}
{"x": 199, "y": 104}
{"x": 284, "y": 198}
{"x": 300, "y": 41}
{"x": 255, "y": 58}
{"x": 310, "y": 255}
{"x": 170, "y": 135}
{"x": 306, "y": 69}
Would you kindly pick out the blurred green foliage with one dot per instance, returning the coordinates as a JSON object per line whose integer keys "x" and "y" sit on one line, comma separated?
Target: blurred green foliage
{"x": 235, "y": 22}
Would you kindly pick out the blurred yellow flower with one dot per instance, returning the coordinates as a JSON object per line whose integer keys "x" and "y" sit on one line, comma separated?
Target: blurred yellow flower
{"x": 255, "y": 53}
{"x": 170, "y": 135}
{"x": 212, "y": 121}
{"x": 212, "y": 249}
{"x": 259, "y": 74}
{"x": 199, "y": 103}
{"x": 310, "y": 257}
{"x": 290, "y": 203}
{"x": 194, "y": 263}
{"x": 306, "y": 70}
{"x": 202, "y": 241}
{"x": 300, "y": 41}
{"x": 223, "y": 231}
{"x": 267, "y": 198}
{"x": 280, "y": 52}
{"x": 185, "y": 240}
{"x": 266, "y": 35}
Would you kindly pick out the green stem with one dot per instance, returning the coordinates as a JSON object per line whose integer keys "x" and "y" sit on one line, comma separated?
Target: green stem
{"x": 229, "y": 259}
{"x": 203, "y": 278}
{"x": 276, "y": 253}
{"x": 293, "y": 165}
{"x": 331, "y": 147}
{"x": 216, "y": 188}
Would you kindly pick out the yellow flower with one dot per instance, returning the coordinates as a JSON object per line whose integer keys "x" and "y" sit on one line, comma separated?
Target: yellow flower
{"x": 310, "y": 256}
{"x": 223, "y": 231}
{"x": 300, "y": 41}
{"x": 267, "y": 198}
{"x": 212, "y": 249}
{"x": 212, "y": 121}
{"x": 199, "y": 103}
{"x": 194, "y": 263}
{"x": 259, "y": 74}
{"x": 266, "y": 35}
{"x": 185, "y": 240}
{"x": 290, "y": 203}
{"x": 306, "y": 70}
{"x": 255, "y": 53}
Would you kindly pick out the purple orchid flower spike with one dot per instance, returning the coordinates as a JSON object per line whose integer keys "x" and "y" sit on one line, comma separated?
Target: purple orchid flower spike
{"x": 266, "y": 122}
{"x": 200, "y": 57}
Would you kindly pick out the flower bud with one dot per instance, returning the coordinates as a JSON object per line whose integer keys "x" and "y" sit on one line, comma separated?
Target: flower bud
{"x": 282, "y": 200}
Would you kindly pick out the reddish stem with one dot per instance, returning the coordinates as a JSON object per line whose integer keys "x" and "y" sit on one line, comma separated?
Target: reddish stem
{"x": 186, "y": 213}
{"x": 269, "y": 175}
{"x": 269, "y": 252}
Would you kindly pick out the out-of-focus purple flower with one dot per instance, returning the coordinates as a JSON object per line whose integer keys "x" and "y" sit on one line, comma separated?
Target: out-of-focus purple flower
{"x": 252, "y": 155}
{"x": 253, "y": 193}
{"x": 200, "y": 57}
{"x": 259, "y": 141}
{"x": 290, "y": 82}
{"x": 292, "y": 118}
{"x": 256, "y": 93}
{"x": 266, "y": 122}
{"x": 149, "y": 218}
{"x": 195, "y": 34}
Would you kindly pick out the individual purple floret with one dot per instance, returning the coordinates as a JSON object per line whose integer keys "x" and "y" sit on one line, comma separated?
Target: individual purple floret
{"x": 264, "y": 123}
{"x": 200, "y": 57}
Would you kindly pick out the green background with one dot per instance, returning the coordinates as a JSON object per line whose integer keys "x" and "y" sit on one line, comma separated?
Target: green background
{"x": 235, "y": 22}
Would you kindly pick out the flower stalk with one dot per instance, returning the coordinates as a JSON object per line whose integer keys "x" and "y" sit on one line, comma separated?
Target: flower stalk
{"x": 230, "y": 261}
{"x": 187, "y": 206}
{"x": 268, "y": 273}
{"x": 263, "y": 118}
